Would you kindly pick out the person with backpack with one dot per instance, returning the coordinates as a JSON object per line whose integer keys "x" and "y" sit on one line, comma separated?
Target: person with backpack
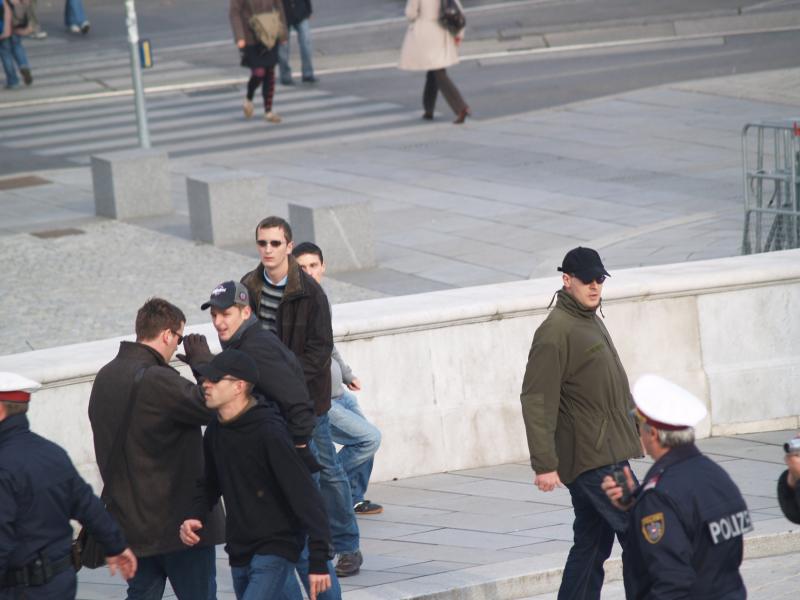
{"x": 14, "y": 23}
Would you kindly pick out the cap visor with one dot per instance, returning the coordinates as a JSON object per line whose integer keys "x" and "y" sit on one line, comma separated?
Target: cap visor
{"x": 210, "y": 372}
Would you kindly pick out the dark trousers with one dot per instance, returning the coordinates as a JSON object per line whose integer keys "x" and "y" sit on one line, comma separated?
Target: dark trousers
{"x": 191, "y": 572}
{"x": 596, "y": 523}
{"x": 434, "y": 82}
{"x": 264, "y": 77}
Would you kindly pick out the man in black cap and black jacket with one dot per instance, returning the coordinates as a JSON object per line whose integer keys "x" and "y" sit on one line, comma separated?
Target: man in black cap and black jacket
{"x": 270, "y": 498}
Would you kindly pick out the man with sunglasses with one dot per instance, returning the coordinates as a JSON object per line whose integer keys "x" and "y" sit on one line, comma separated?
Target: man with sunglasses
{"x": 576, "y": 405}
{"x": 294, "y": 306}
{"x": 150, "y": 486}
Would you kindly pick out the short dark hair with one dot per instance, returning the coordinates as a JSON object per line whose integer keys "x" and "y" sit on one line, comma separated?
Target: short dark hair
{"x": 14, "y": 408}
{"x": 155, "y": 316}
{"x": 274, "y": 221}
{"x": 308, "y": 248}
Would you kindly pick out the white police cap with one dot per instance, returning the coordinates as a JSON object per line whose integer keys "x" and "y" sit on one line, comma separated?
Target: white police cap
{"x": 16, "y": 388}
{"x": 665, "y": 405}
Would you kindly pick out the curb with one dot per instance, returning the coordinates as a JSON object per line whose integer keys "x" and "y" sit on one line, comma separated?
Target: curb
{"x": 534, "y": 575}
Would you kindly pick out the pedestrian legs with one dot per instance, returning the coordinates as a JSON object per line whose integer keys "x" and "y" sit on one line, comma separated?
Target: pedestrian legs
{"x": 303, "y": 30}
{"x": 359, "y": 439}
{"x": 191, "y": 572}
{"x": 267, "y": 576}
{"x": 429, "y": 94}
{"x": 264, "y": 77}
{"x": 74, "y": 15}
{"x": 596, "y": 523}
{"x": 12, "y": 51}
{"x": 332, "y": 593}
{"x": 335, "y": 490}
{"x": 284, "y": 68}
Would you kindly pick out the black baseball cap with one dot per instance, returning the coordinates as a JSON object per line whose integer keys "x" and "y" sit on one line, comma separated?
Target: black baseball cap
{"x": 227, "y": 294}
{"x": 583, "y": 263}
{"x": 231, "y": 362}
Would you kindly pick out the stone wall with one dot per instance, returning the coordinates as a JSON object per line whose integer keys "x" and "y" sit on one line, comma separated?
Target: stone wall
{"x": 441, "y": 372}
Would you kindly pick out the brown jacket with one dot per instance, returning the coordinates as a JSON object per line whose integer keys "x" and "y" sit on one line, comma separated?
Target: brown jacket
{"x": 153, "y": 484}
{"x": 304, "y": 324}
{"x": 240, "y": 12}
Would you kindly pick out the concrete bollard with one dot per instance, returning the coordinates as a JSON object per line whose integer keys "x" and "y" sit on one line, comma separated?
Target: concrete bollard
{"x": 131, "y": 183}
{"x": 342, "y": 230}
{"x": 225, "y": 206}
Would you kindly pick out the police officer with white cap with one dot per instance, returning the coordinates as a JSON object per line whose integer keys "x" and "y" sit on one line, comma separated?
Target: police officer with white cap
{"x": 40, "y": 491}
{"x": 688, "y": 518}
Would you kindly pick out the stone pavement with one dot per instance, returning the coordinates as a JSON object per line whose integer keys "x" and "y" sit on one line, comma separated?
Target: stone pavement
{"x": 489, "y": 533}
{"x": 647, "y": 177}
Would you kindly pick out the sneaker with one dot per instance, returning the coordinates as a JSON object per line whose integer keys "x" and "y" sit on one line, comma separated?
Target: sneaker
{"x": 365, "y": 507}
{"x": 26, "y": 75}
{"x": 349, "y": 564}
{"x": 247, "y": 109}
{"x": 74, "y": 29}
{"x": 311, "y": 79}
{"x": 85, "y": 26}
{"x": 38, "y": 35}
{"x": 271, "y": 117}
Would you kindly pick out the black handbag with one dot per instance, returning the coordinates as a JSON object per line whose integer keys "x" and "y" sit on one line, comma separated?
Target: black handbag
{"x": 451, "y": 17}
{"x": 86, "y": 550}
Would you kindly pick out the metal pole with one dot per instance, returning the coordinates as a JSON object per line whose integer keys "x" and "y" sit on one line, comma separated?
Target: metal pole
{"x": 136, "y": 74}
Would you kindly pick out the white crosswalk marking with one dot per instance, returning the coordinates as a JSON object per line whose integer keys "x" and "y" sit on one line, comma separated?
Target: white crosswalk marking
{"x": 193, "y": 123}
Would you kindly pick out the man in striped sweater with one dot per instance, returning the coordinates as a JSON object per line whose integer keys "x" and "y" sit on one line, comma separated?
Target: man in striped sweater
{"x": 295, "y": 307}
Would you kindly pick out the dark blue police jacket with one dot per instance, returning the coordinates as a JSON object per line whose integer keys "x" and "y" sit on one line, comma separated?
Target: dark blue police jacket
{"x": 40, "y": 491}
{"x": 686, "y": 530}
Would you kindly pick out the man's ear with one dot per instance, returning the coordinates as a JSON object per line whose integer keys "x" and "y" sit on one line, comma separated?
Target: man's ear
{"x": 247, "y": 311}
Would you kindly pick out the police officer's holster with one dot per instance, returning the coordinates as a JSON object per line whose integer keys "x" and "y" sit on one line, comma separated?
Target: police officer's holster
{"x": 39, "y": 571}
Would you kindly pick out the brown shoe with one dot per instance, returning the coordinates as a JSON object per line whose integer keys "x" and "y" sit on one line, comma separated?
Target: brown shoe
{"x": 462, "y": 115}
{"x": 247, "y": 109}
{"x": 271, "y": 117}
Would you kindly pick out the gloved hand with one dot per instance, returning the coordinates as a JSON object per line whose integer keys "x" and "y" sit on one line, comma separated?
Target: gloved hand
{"x": 195, "y": 350}
{"x": 308, "y": 458}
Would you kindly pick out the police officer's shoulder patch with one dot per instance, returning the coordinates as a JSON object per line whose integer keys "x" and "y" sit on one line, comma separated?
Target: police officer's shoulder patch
{"x": 653, "y": 527}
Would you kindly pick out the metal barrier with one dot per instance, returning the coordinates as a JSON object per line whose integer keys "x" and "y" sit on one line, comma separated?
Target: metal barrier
{"x": 771, "y": 186}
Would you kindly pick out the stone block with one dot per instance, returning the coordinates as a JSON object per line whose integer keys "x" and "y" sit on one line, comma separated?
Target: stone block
{"x": 344, "y": 231}
{"x": 225, "y": 206}
{"x": 131, "y": 183}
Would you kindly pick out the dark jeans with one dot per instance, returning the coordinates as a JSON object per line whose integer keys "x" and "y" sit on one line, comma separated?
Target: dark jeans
{"x": 266, "y": 576}
{"x": 434, "y": 82}
{"x": 596, "y": 523}
{"x": 191, "y": 573}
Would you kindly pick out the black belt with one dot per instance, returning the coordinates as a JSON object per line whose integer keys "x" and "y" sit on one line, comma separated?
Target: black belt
{"x": 38, "y": 572}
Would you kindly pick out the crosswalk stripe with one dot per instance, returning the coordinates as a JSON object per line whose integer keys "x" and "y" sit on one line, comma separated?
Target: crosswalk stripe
{"x": 237, "y": 130}
{"x": 178, "y": 116}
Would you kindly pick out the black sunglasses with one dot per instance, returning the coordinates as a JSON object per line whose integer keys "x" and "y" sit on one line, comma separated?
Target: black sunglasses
{"x": 273, "y": 243}
{"x": 180, "y": 337}
{"x": 599, "y": 279}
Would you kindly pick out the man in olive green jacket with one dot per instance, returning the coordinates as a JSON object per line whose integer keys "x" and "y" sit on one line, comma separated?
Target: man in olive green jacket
{"x": 576, "y": 405}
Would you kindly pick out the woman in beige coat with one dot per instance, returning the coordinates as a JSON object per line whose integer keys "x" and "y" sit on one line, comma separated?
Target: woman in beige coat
{"x": 430, "y": 47}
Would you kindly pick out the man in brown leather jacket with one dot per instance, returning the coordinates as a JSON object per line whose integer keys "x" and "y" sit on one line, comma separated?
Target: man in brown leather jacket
{"x": 576, "y": 404}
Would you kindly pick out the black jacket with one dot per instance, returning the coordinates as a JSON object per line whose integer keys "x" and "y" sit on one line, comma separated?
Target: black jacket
{"x": 685, "y": 537}
{"x": 304, "y": 326}
{"x": 271, "y": 500}
{"x": 163, "y": 449}
{"x": 40, "y": 491}
{"x": 789, "y": 499}
{"x": 296, "y": 10}
{"x": 280, "y": 376}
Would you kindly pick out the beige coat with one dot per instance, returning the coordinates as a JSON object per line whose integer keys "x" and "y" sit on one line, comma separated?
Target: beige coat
{"x": 427, "y": 46}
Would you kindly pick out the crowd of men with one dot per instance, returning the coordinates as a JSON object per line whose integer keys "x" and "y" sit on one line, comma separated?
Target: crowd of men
{"x": 273, "y": 403}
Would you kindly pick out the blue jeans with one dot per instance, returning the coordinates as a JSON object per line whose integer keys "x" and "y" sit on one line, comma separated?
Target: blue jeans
{"x": 335, "y": 489}
{"x": 267, "y": 576}
{"x": 335, "y": 591}
{"x": 74, "y": 13}
{"x": 303, "y": 30}
{"x": 11, "y": 51}
{"x": 596, "y": 522}
{"x": 191, "y": 573}
{"x": 359, "y": 439}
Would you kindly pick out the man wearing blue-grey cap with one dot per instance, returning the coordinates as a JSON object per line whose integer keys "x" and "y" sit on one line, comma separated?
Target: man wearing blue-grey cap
{"x": 688, "y": 518}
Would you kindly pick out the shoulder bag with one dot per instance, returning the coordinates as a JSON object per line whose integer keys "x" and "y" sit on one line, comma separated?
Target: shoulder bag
{"x": 451, "y": 17}
{"x": 86, "y": 550}
{"x": 267, "y": 26}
